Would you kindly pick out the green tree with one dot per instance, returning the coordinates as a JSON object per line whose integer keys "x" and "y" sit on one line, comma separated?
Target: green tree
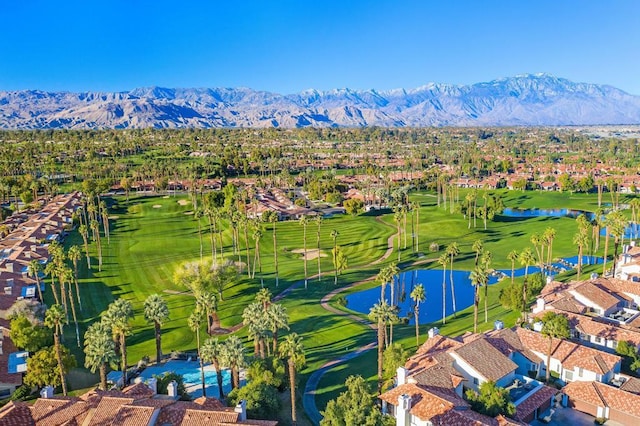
{"x": 353, "y": 206}
{"x": 43, "y": 368}
{"x": 418, "y": 295}
{"x": 195, "y": 323}
{"x": 479, "y": 277}
{"x": 355, "y": 406}
{"x": 27, "y": 335}
{"x": 512, "y": 257}
{"x": 492, "y": 400}
{"x": 381, "y": 313}
{"x": 211, "y": 352}
{"x": 341, "y": 260}
{"x": 55, "y": 319}
{"x": 156, "y": 312}
{"x": 261, "y": 397}
{"x": 33, "y": 270}
{"x": 395, "y": 355}
{"x": 74, "y": 254}
{"x": 526, "y": 260}
{"x": 554, "y": 326}
{"x": 99, "y": 351}
{"x": 293, "y": 350}
{"x": 233, "y": 358}
{"x": 277, "y": 319}
{"x": 631, "y": 358}
{"x": 117, "y": 318}
{"x": 452, "y": 251}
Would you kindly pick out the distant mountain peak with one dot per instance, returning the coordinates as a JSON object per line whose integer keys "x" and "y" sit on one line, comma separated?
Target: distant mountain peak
{"x": 525, "y": 99}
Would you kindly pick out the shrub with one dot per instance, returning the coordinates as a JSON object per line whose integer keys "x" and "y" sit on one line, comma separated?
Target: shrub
{"x": 434, "y": 247}
{"x": 21, "y": 393}
{"x": 342, "y": 301}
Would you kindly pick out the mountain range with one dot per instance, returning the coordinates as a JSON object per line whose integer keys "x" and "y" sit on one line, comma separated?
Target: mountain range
{"x": 523, "y": 100}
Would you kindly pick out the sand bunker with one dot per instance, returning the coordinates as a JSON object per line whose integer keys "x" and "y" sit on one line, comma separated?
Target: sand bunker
{"x": 189, "y": 212}
{"x": 184, "y": 202}
{"x": 311, "y": 253}
{"x": 166, "y": 196}
{"x": 157, "y": 206}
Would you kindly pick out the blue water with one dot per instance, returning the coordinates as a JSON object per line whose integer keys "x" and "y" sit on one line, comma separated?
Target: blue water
{"x": 431, "y": 279}
{"x": 190, "y": 372}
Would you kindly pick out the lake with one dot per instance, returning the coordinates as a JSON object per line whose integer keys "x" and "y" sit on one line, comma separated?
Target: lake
{"x": 431, "y": 279}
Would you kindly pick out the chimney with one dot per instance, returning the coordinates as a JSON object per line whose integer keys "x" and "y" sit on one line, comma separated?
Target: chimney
{"x": 172, "y": 389}
{"x": 594, "y": 275}
{"x": 401, "y": 374}
{"x": 434, "y": 331}
{"x": 402, "y": 412}
{"x": 241, "y": 409}
{"x": 9, "y": 266}
{"x": 549, "y": 279}
{"x": 47, "y": 392}
{"x": 498, "y": 325}
{"x": 153, "y": 385}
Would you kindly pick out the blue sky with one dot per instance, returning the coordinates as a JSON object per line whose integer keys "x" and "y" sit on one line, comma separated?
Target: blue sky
{"x": 289, "y": 46}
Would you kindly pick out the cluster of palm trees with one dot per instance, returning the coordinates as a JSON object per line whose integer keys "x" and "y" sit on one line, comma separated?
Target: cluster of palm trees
{"x": 264, "y": 320}
{"x": 445, "y": 259}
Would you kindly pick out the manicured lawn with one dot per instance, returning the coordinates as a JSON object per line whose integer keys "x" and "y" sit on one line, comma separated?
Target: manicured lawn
{"x": 148, "y": 243}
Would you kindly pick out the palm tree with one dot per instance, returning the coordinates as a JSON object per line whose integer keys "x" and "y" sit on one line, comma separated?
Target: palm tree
{"x": 452, "y": 251}
{"x": 618, "y": 225}
{"x": 33, "y": 270}
{"x": 117, "y": 317}
{"x": 263, "y": 296}
{"x": 526, "y": 260}
{"x": 74, "y": 255}
{"x": 156, "y": 312}
{"x": 380, "y": 313}
{"x": 443, "y": 260}
{"x": 293, "y": 350}
{"x": 257, "y": 235}
{"x": 397, "y": 218}
{"x": 418, "y": 296}
{"x": 538, "y": 245}
{"x": 477, "y": 247}
{"x": 211, "y": 352}
{"x": 278, "y": 320}
{"x": 207, "y": 302}
{"x": 416, "y": 207}
{"x": 67, "y": 276}
{"x": 513, "y": 256}
{"x": 479, "y": 277}
{"x": 554, "y": 326}
{"x": 232, "y": 356}
{"x": 254, "y": 317}
{"x": 318, "y": 220}
{"x": 195, "y": 323}
{"x": 51, "y": 269}
{"x": 99, "y": 351}
{"x": 197, "y": 216}
{"x": 55, "y": 319}
{"x": 82, "y": 229}
{"x": 95, "y": 226}
{"x": 485, "y": 262}
{"x": 273, "y": 218}
{"x": 549, "y": 235}
{"x": 334, "y": 237}
{"x": 304, "y": 221}
{"x": 581, "y": 239}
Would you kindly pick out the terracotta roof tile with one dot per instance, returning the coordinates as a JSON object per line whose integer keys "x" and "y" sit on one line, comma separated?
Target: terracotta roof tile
{"x": 16, "y": 414}
{"x": 486, "y": 359}
{"x": 600, "y": 394}
{"x": 596, "y": 294}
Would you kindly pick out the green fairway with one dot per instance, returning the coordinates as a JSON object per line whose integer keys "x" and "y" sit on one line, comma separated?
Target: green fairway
{"x": 151, "y": 236}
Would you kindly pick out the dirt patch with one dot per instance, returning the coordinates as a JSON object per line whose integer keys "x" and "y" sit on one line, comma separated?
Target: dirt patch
{"x": 157, "y": 206}
{"x": 166, "y": 196}
{"x": 311, "y": 253}
{"x": 184, "y": 202}
{"x": 114, "y": 217}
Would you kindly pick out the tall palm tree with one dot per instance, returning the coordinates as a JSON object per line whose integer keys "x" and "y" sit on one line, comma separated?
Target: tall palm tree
{"x": 380, "y": 313}
{"x": 580, "y": 239}
{"x": 443, "y": 260}
{"x": 452, "y": 251}
{"x": 67, "y": 276}
{"x": 263, "y": 296}
{"x": 318, "y": 220}
{"x": 195, "y": 323}
{"x": 416, "y": 207}
{"x": 99, "y": 351}
{"x": 618, "y": 224}
{"x": 33, "y": 270}
{"x": 74, "y": 255}
{"x": 257, "y": 235}
{"x": 197, "y": 215}
{"x": 477, "y": 247}
{"x": 554, "y": 326}
{"x": 526, "y": 260}
{"x": 549, "y": 235}
{"x": 334, "y": 237}
{"x": 418, "y": 296}
{"x": 293, "y": 350}
{"x": 485, "y": 262}
{"x": 82, "y": 229}
{"x": 211, "y": 352}
{"x": 118, "y": 317}
{"x": 397, "y": 218}
{"x": 207, "y": 302}
{"x": 156, "y": 312}
{"x": 278, "y": 320}
{"x": 95, "y": 226}
{"x": 513, "y": 256}
{"x": 55, "y": 319}
{"x": 254, "y": 317}
{"x": 304, "y": 221}
{"x": 232, "y": 356}
{"x": 273, "y": 218}
{"x": 51, "y": 269}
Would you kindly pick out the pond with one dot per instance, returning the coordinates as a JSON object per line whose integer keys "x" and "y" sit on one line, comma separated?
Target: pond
{"x": 431, "y": 279}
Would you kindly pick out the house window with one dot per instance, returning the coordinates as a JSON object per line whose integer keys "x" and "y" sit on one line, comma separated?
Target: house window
{"x": 568, "y": 375}
{"x": 597, "y": 339}
{"x": 580, "y": 371}
{"x": 476, "y": 381}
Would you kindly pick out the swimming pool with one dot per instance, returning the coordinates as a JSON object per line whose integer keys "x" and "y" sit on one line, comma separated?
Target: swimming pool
{"x": 190, "y": 372}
